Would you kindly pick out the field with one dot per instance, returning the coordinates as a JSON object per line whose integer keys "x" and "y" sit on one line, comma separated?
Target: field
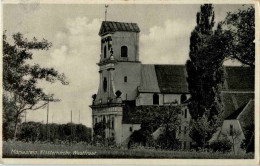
{"x": 30, "y": 150}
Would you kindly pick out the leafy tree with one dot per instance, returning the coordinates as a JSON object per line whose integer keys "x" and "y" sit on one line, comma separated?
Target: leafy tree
{"x": 153, "y": 117}
{"x": 8, "y": 117}
{"x": 223, "y": 145}
{"x": 20, "y": 78}
{"x": 205, "y": 74}
{"x": 99, "y": 134}
{"x": 240, "y": 27}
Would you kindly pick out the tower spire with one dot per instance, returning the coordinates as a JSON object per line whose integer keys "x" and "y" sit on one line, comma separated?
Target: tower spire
{"x": 106, "y": 6}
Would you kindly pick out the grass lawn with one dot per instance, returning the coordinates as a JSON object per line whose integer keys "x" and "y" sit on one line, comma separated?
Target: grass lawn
{"x": 37, "y": 150}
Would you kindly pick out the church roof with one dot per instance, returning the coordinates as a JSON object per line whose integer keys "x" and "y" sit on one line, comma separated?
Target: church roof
{"x": 239, "y": 78}
{"x": 238, "y": 89}
{"x": 112, "y": 26}
{"x": 233, "y": 101}
{"x": 163, "y": 79}
{"x": 172, "y": 78}
{"x": 149, "y": 81}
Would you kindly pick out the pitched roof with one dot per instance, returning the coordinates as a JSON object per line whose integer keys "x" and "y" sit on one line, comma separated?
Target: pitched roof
{"x": 246, "y": 117}
{"x": 234, "y": 101}
{"x": 236, "y": 113}
{"x": 112, "y": 26}
{"x": 148, "y": 80}
{"x": 172, "y": 78}
{"x": 239, "y": 78}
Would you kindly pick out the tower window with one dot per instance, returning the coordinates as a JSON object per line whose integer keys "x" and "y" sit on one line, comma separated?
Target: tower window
{"x": 125, "y": 79}
{"x": 155, "y": 98}
{"x": 185, "y": 113}
{"x": 105, "y": 84}
{"x": 123, "y": 51}
{"x": 179, "y": 129}
{"x": 185, "y": 130}
{"x": 105, "y": 52}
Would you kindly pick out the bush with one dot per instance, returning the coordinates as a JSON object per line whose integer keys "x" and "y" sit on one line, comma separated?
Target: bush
{"x": 168, "y": 141}
{"x": 35, "y": 131}
{"x": 222, "y": 145}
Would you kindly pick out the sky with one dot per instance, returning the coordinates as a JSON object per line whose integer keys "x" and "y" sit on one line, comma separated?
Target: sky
{"x": 73, "y": 31}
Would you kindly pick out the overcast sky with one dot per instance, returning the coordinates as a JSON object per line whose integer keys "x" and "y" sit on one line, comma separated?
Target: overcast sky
{"x": 73, "y": 31}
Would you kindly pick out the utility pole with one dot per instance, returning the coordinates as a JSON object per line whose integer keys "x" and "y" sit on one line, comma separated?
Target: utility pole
{"x": 106, "y": 6}
{"x": 48, "y": 112}
{"x": 79, "y": 116}
{"x": 71, "y": 116}
{"x": 48, "y": 99}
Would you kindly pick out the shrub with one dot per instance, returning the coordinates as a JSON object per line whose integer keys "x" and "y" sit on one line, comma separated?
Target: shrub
{"x": 222, "y": 145}
{"x": 34, "y": 131}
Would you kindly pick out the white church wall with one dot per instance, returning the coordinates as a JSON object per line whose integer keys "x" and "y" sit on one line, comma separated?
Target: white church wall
{"x": 133, "y": 73}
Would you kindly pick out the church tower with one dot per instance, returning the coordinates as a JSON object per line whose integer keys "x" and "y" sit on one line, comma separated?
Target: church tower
{"x": 119, "y": 73}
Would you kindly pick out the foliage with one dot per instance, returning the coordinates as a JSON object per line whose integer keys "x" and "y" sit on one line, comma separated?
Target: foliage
{"x": 248, "y": 144}
{"x": 201, "y": 130}
{"x": 99, "y": 132}
{"x": 20, "y": 78}
{"x": 240, "y": 27}
{"x": 205, "y": 75}
{"x": 153, "y": 117}
{"x": 8, "y": 117}
{"x": 222, "y": 145}
{"x": 168, "y": 140}
{"x": 141, "y": 137}
{"x": 35, "y": 132}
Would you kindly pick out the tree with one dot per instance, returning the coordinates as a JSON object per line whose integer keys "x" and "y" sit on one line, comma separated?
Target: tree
{"x": 153, "y": 117}
{"x": 205, "y": 74}
{"x": 240, "y": 27}
{"x": 235, "y": 137}
{"x": 20, "y": 78}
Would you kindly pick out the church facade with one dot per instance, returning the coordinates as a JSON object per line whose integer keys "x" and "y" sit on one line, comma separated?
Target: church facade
{"x": 139, "y": 84}
{"x": 125, "y": 83}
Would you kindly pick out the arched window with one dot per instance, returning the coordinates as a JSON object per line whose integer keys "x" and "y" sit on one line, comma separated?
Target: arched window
{"x": 125, "y": 79}
{"x": 105, "y": 52}
{"x": 155, "y": 98}
{"x": 105, "y": 84}
{"x": 123, "y": 51}
{"x": 183, "y": 98}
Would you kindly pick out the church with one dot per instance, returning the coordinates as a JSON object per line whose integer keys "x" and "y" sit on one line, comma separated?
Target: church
{"x": 125, "y": 83}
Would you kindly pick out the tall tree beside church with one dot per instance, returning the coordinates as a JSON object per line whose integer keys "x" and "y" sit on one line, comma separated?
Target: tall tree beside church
{"x": 20, "y": 79}
{"x": 240, "y": 26}
{"x": 205, "y": 72}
